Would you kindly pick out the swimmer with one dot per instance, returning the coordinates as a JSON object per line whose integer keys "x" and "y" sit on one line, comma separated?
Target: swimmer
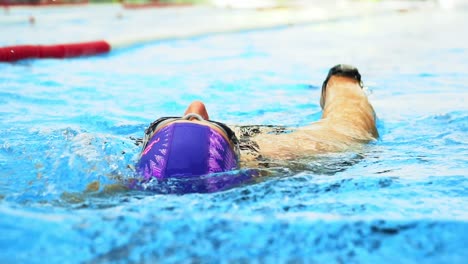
{"x": 187, "y": 146}
{"x": 194, "y": 145}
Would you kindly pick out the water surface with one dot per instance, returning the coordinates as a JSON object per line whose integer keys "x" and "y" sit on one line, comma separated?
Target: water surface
{"x": 68, "y": 123}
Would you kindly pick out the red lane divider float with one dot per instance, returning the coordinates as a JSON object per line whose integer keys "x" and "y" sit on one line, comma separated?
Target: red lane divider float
{"x": 13, "y": 3}
{"x": 21, "y": 52}
{"x": 155, "y": 4}
{"x": 152, "y": 5}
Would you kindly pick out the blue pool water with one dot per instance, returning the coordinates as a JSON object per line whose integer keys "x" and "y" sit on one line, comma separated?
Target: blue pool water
{"x": 68, "y": 123}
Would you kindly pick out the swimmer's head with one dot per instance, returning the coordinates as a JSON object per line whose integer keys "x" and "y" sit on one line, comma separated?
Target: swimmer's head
{"x": 177, "y": 148}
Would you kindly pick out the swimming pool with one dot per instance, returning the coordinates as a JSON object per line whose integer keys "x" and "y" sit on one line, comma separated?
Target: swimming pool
{"x": 68, "y": 123}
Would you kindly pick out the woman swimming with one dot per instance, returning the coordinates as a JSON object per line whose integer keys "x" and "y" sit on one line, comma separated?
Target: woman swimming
{"x": 187, "y": 146}
{"x": 194, "y": 145}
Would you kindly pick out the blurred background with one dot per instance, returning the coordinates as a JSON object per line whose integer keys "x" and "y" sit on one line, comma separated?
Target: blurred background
{"x": 225, "y": 3}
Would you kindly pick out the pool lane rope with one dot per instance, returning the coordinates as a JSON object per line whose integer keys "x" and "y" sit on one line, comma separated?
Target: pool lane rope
{"x": 21, "y": 52}
{"x": 91, "y": 48}
{"x": 227, "y": 21}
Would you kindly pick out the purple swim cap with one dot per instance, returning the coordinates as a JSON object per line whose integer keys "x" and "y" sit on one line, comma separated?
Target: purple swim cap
{"x": 185, "y": 150}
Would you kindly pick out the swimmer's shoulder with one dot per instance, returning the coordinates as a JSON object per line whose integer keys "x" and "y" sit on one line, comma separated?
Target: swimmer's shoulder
{"x": 250, "y": 131}
{"x": 249, "y": 148}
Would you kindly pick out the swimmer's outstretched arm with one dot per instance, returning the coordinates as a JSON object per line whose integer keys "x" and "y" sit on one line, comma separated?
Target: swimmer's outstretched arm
{"x": 348, "y": 121}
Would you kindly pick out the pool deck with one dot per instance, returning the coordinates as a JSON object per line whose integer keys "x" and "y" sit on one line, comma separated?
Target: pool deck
{"x": 128, "y": 27}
